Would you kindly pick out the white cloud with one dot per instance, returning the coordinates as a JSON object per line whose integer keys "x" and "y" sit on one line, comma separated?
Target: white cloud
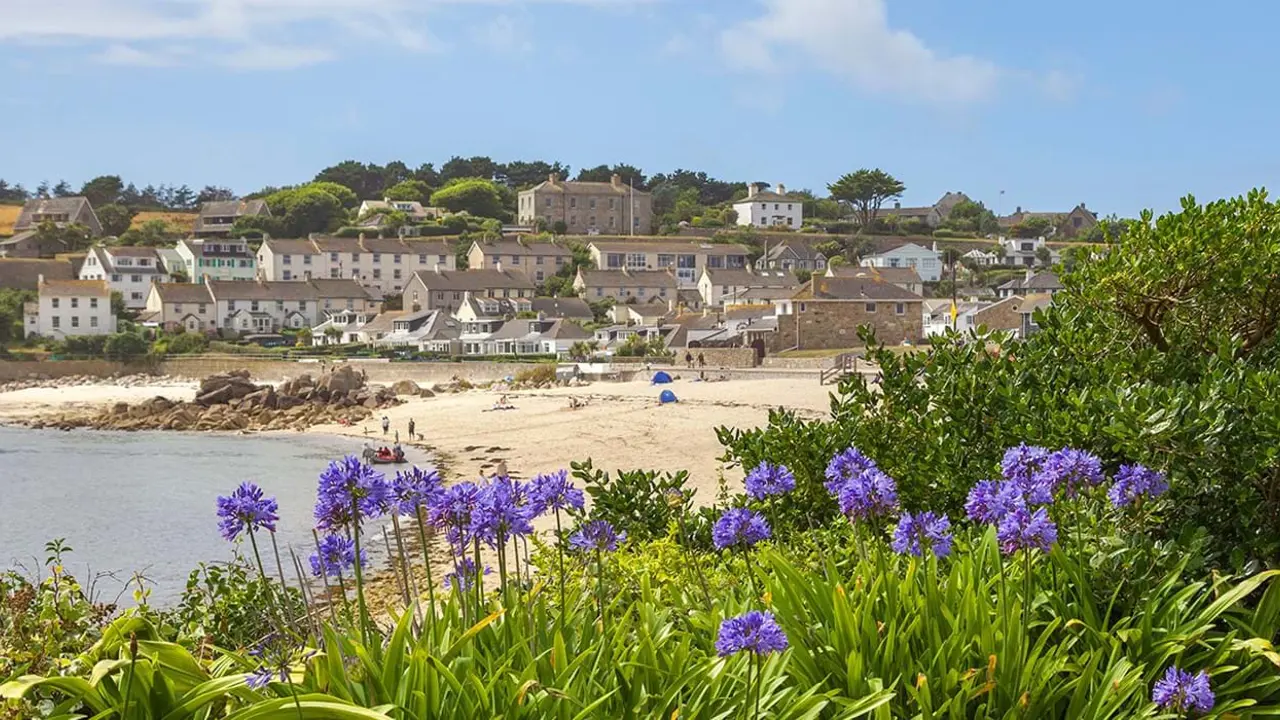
{"x": 274, "y": 57}
{"x": 1060, "y": 86}
{"x": 122, "y": 54}
{"x": 502, "y": 34}
{"x": 853, "y": 40}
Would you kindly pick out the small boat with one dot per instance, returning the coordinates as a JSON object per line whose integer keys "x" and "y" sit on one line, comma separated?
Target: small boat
{"x": 388, "y": 458}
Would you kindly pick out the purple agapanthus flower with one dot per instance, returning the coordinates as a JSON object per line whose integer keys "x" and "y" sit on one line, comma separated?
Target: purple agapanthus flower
{"x": 1135, "y": 481}
{"x": 416, "y": 488}
{"x": 844, "y": 467}
{"x": 1024, "y": 529}
{"x": 452, "y": 510}
{"x": 768, "y": 479}
{"x": 1021, "y": 463}
{"x": 990, "y": 500}
{"x": 336, "y": 555}
{"x": 554, "y": 491}
{"x": 741, "y": 528}
{"x": 871, "y": 494}
{"x": 1070, "y": 471}
{"x": 597, "y": 535}
{"x": 917, "y": 530}
{"x": 1183, "y": 692}
{"x": 464, "y": 578}
{"x": 246, "y": 508}
{"x": 500, "y": 512}
{"x": 276, "y": 654}
{"x": 351, "y": 492}
{"x": 755, "y": 632}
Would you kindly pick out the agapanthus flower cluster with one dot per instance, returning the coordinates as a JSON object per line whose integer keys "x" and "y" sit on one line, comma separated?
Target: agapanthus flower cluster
{"x": 246, "y": 508}
{"x": 276, "y": 654}
{"x": 755, "y": 632}
{"x": 1070, "y": 471}
{"x": 452, "y": 512}
{"x": 416, "y": 488}
{"x": 554, "y": 491}
{"x": 844, "y": 467}
{"x": 1025, "y": 529}
{"x": 1136, "y": 481}
{"x": 464, "y": 578}
{"x": 768, "y": 479}
{"x": 1021, "y": 464}
{"x": 1183, "y": 692}
{"x": 597, "y": 535}
{"x": 739, "y": 528}
{"x": 990, "y": 500}
{"x": 501, "y": 512}
{"x": 336, "y": 554}
{"x": 349, "y": 493}
{"x": 916, "y": 531}
{"x": 870, "y": 494}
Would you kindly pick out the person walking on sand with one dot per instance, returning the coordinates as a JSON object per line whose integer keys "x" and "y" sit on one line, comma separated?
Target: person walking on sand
{"x": 688, "y": 359}
{"x": 411, "y": 426}
{"x": 702, "y": 362}
{"x": 386, "y": 424}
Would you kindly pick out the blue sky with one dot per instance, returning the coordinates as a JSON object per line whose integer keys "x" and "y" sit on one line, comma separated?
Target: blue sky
{"x": 1122, "y": 105}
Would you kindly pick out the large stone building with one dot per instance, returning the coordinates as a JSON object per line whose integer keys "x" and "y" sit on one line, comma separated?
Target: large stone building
{"x": 587, "y": 208}
{"x": 827, "y": 312}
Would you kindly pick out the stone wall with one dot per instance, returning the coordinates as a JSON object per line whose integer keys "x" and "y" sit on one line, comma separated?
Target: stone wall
{"x": 833, "y": 324}
{"x": 741, "y": 357}
{"x": 798, "y": 363}
{"x": 381, "y": 372}
{"x": 22, "y": 370}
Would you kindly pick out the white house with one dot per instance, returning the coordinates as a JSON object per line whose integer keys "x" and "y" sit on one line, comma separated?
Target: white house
{"x": 217, "y": 259}
{"x": 716, "y": 286}
{"x": 1024, "y": 252}
{"x": 926, "y": 261}
{"x": 255, "y": 306}
{"x": 387, "y": 264}
{"x": 127, "y": 270}
{"x": 981, "y": 257}
{"x": 765, "y": 209}
{"x": 69, "y": 308}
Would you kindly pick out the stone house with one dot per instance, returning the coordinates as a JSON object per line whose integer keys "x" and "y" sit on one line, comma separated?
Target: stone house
{"x": 625, "y": 285}
{"x": 686, "y": 260}
{"x": 445, "y": 289}
{"x": 767, "y": 209}
{"x": 538, "y": 260}
{"x": 904, "y": 277}
{"x": 69, "y": 308}
{"x": 62, "y": 212}
{"x": 929, "y": 215}
{"x": 587, "y": 208}
{"x": 217, "y": 217}
{"x": 826, "y": 313}
{"x": 129, "y": 271}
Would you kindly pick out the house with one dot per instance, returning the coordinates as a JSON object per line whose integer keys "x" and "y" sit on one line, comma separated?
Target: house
{"x": 716, "y": 285}
{"x": 685, "y": 259}
{"x": 646, "y": 314}
{"x": 216, "y": 259}
{"x": 186, "y": 305}
{"x": 929, "y": 215}
{"x": 1078, "y": 221}
{"x": 938, "y": 320}
{"x": 60, "y": 211}
{"x": 587, "y": 208}
{"x": 68, "y": 308}
{"x": 129, "y": 271}
{"x": 982, "y": 258}
{"x": 345, "y": 327}
{"x": 569, "y": 308}
{"x": 826, "y": 313}
{"x": 799, "y": 254}
{"x": 384, "y": 264}
{"x": 24, "y": 274}
{"x": 1025, "y": 252}
{"x": 262, "y": 306}
{"x": 540, "y": 336}
{"x": 372, "y": 213}
{"x": 31, "y": 245}
{"x": 1032, "y": 303}
{"x": 445, "y": 289}
{"x": 904, "y": 277}
{"x": 433, "y": 331}
{"x": 216, "y": 218}
{"x": 766, "y": 209}
{"x": 538, "y": 260}
{"x": 625, "y": 285}
{"x": 479, "y": 317}
{"x": 1031, "y": 283}
{"x": 927, "y": 262}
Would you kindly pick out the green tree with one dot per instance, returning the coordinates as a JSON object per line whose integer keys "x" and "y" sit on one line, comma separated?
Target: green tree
{"x": 523, "y": 175}
{"x": 103, "y": 190}
{"x": 152, "y": 233}
{"x": 972, "y": 217}
{"x": 604, "y": 173}
{"x": 409, "y": 191}
{"x": 115, "y": 219}
{"x": 345, "y": 195}
{"x": 1044, "y": 256}
{"x": 363, "y": 180}
{"x": 559, "y": 227}
{"x": 476, "y": 196}
{"x": 11, "y": 302}
{"x": 70, "y": 238}
{"x": 118, "y": 308}
{"x": 460, "y": 168}
{"x": 125, "y": 346}
{"x": 307, "y": 209}
{"x": 866, "y": 190}
{"x": 1033, "y": 227}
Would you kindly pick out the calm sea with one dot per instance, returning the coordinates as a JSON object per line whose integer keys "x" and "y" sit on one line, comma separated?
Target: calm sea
{"x": 145, "y": 502}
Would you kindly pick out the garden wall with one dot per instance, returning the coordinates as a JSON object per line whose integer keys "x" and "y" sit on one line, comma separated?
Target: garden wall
{"x": 721, "y": 357}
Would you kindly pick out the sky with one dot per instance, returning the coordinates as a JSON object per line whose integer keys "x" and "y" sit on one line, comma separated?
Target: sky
{"x": 1120, "y": 105}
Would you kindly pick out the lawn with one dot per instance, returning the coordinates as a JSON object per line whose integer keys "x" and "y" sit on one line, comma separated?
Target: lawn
{"x": 181, "y": 222}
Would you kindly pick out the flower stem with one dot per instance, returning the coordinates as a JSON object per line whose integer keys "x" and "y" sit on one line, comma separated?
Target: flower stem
{"x": 689, "y": 558}
{"x": 359, "y": 572}
{"x": 479, "y": 579}
{"x": 324, "y": 577}
{"x": 560, "y": 552}
{"x": 600, "y": 586}
{"x": 426, "y": 557}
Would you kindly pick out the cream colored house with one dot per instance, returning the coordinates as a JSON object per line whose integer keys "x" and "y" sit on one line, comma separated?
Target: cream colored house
{"x": 68, "y": 308}
{"x": 587, "y": 208}
{"x": 684, "y": 259}
{"x": 538, "y": 260}
{"x": 386, "y": 264}
{"x": 626, "y": 285}
{"x": 717, "y": 285}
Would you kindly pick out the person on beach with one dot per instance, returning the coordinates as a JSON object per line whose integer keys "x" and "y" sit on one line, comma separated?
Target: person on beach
{"x": 702, "y": 362}
{"x": 386, "y": 424}
{"x": 397, "y": 437}
{"x": 688, "y": 359}
{"x": 411, "y": 426}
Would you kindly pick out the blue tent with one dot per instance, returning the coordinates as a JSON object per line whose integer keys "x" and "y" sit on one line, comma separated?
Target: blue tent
{"x": 667, "y": 397}
{"x": 661, "y": 378}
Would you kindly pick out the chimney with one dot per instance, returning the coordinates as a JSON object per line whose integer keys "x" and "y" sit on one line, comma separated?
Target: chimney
{"x": 616, "y": 181}
{"x": 1017, "y": 210}
{"x": 437, "y": 268}
{"x": 553, "y": 178}
{"x": 498, "y": 266}
{"x": 752, "y": 189}
{"x": 782, "y": 189}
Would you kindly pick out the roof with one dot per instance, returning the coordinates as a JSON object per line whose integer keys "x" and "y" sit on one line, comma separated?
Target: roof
{"x": 21, "y": 273}
{"x": 290, "y": 247}
{"x": 339, "y": 288}
{"x": 1032, "y": 303}
{"x": 474, "y": 280}
{"x": 512, "y": 247}
{"x": 233, "y": 208}
{"x": 900, "y": 246}
{"x": 802, "y": 249}
{"x": 561, "y": 307}
{"x": 1038, "y": 281}
{"x": 315, "y": 289}
{"x": 99, "y": 288}
{"x": 72, "y": 206}
{"x": 675, "y": 248}
{"x": 384, "y": 321}
{"x": 768, "y": 196}
{"x": 825, "y": 288}
{"x": 742, "y": 277}
{"x": 182, "y": 293}
{"x": 759, "y": 293}
{"x": 563, "y": 329}
{"x": 628, "y": 279}
{"x": 908, "y": 211}
{"x": 898, "y": 276}
{"x": 576, "y": 187}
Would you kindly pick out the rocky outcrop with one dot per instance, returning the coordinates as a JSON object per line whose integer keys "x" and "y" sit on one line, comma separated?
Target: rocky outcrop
{"x": 232, "y": 401}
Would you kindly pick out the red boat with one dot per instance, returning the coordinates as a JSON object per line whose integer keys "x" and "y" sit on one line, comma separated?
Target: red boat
{"x": 387, "y": 457}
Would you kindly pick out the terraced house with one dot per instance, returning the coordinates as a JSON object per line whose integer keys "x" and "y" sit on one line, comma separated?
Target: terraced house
{"x": 623, "y": 286}
{"x": 255, "y": 306}
{"x": 685, "y": 260}
{"x": 129, "y": 271}
{"x": 447, "y": 289}
{"x": 216, "y": 218}
{"x": 384, "y": 264}
{"x": 538, "y": 260}
{"x": 217, "y": 259}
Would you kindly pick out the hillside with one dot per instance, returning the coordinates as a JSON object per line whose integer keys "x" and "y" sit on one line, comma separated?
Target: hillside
{"x": 181, "y": 222}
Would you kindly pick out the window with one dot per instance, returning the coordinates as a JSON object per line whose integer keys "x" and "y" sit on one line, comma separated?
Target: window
{"x": 231, "y": 305}
{"x": 593, "y": 221}
{"x": 548, "y": 203}
{"x": 177, "y": 307}
{"x": 115, "y": 278}
{"x": 377, "y": 258}
{"x": 599, "y": 292}
{"x": 333, "y": 257}
{"x": 788, "y": 206}
{"x": 538, "y": 275}
{"x": 355, "y": 258}
{"x": 377, "y": 273}
{"x": 287, "y": 275}
{"x": 75, "y": 321}
{"x": 93, "y": 321}
{"x": 134, "y": 296}
{"x": 775, "y": 206}
{"x": 573, "y": 220}
{"x": 612, "y": 203}
{"x": 280, "y": 305}
{"x": 636, "y": 260}
{"x": 764, "y": 206}
{"x": 335, "y": 273}
{"x": 635, "y": 222}
{"x": 57, "y": 321}
{"x": 871, "y": 307}
{"x": 900, "y": 309}
{"x": 253, "y": 305}
{"x": 573, "y": 202}
{"x": 662, "y": 292}
{"x": 422, "y": 258}
{"x": 538, "y": 260}
{"x": 396, "y": 273}
{"x": 302, "y": 306}
{"x": 441, "y": 259}
{"x": 75, "y": 303}
{"x": 592, "y": 203}
{"x": 611, "y": 219}
{"x": 55, "y": 303}
{"x": 396, "y": 259}
{"x": 93, "y": 303}
{"x": 286, "y": 259}
{"x": 203, "y": 308}
{"x": 640, "y": 292}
